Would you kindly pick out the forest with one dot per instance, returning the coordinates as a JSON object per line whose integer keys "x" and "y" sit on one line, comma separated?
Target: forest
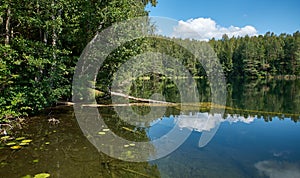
{"x": 41, "y": 41}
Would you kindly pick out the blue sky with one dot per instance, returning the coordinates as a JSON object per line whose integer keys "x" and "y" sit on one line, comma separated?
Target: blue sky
{"x": 279, "y": 16}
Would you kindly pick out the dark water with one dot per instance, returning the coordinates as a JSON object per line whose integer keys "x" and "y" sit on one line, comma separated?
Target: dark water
{"x": 257, "y": 137}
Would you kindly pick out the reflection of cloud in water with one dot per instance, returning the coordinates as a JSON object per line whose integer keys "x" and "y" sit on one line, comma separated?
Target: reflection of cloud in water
{"x": 236, "y": 118}
{"x": 205, "y": 122}
{"x": 275, "y": 169}
{"x": 198, "y": 122}
{"x": 282, "y": 154}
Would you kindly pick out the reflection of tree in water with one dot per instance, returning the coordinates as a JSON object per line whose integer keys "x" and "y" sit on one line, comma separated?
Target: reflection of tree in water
{"x": 146, "y": 88}
{"x": 266, "y": 99}
{"x": 122, "y": 126}
{"x": 278, "y": 97}
{"x": 70, "y": 154}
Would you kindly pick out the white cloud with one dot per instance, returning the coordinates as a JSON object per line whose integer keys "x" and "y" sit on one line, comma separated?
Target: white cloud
{"x": 275, "y": 169}
{"x": 206, "y": 28}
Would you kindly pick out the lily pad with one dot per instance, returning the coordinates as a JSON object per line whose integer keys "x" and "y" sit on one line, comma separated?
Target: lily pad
{"x": 126, "y": 146}
{"x": 47, "y": 143}
{"x": 26, "y": 141}
{"x": 20, "y": 138}
{"x": 23, "y": 144}
{"x": 5, "y": 137}
{"x": 16, "y": 147}
{"x": 105, "y": 130}
{"x": 101, "y": 133}
{"x": 42, "y": 175}
{"x": 132, "y": 144}
{"x": 10, "y": 143}
{"x": 3, "y": 164}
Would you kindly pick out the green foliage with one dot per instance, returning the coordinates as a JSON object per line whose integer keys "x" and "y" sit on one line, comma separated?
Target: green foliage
{"x": 259, "y": 56}
{"x": 31, "y": 78}
{"x": 241, "y": 57}
{"x": 40, "y": 42}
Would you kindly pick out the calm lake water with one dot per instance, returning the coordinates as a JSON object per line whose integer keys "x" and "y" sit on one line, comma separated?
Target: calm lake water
{"x": 257, "y": 137}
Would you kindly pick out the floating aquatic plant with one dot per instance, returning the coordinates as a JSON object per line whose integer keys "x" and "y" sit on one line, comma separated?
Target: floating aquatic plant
{"x": 4, "y": 138}
{"x": 42, "y": 175}
{"x": 26, "y": 141}
{"x": 16, "y": 147}
{"x": 101, "y": 133}
{"x": 20, "y": 138}
{"x": 10, "y": 143}
{"x": 15, "y": 143}
{"x": 23, "y": 144}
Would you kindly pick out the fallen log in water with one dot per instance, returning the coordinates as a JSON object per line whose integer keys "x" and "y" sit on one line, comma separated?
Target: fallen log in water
{"x": 181, "y": 106}
{"x": 121, "y": 95}
{"x": 139, "y": 99}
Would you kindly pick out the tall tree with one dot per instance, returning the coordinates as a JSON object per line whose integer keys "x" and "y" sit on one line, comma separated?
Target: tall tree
{"x": 40, "y": 43}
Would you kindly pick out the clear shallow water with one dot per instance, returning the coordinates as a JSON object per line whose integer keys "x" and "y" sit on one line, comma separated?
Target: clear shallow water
{"x": 239, "y": 149}
{"x": 256, "y": 140}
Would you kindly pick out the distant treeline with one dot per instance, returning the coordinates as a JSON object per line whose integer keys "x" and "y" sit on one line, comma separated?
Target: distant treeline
{"x": 253, "y": 57}
{"x": 259, "y": 56}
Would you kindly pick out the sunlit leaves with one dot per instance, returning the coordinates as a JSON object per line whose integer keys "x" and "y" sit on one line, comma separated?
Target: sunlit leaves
{"x": 45, "y": 40}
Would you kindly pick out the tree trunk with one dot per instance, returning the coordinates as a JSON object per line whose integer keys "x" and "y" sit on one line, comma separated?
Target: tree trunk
{"x": 38, "y": 13}
{"x": 7, "y": 26}
{"x": 45, "y": 38}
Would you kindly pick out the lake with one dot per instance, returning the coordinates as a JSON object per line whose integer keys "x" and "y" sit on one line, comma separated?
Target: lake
{"x": 258, "y": 136}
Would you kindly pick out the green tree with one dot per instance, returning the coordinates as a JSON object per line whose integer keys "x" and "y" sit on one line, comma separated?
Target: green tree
{"x": 40, "y": 43}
